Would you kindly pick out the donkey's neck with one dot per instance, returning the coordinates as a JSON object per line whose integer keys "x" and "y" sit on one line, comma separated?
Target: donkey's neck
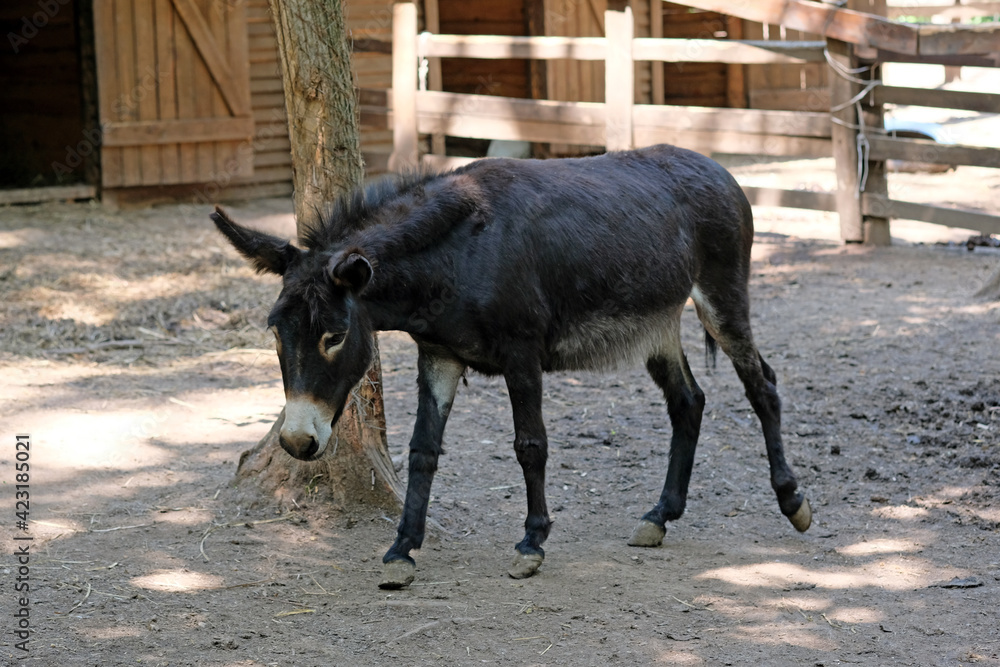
{"x": 406, "y": 292}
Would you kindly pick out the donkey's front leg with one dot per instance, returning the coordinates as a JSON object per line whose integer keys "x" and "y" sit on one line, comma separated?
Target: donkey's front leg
{"x": 437, "y": 379}
{"x": 524, "y": 384}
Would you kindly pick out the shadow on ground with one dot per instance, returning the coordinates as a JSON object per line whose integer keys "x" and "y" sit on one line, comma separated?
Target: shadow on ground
{"x": 144, "y": 553}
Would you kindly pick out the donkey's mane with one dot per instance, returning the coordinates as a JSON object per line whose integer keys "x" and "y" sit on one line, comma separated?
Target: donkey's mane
{"x": 390, "y": 218}
{"x": 396, "y": 215}
{"x": 355, "y": 210}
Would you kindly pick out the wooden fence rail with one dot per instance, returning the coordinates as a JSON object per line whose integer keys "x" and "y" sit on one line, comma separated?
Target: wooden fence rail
{"x": 941, "y": 99}
{"x": 853, "y": 42}
{"x": 737, "y": 52}
{"x": 867, "y": 32}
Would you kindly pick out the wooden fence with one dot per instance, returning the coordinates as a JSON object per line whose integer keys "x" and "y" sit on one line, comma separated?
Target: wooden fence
{"x": 855, "y": 43}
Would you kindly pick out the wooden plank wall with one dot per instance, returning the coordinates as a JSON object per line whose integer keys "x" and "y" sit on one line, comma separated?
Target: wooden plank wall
{"x": 272, "y": 159}
{"x": 173, "y": 97}
{"x": 794, "y": 87}
{"x": 508, "y": 78}
{"x": 642, "y": 13}
{"x": 272, "y": 164}
{"x": 372, "y": 19}
{"x": 41, "y": 120}
{"x": 693, "y": 84}
{"x": 791, "y": 87}
{"x": 568, "y": 80}
{"x": 366, "y": 19}
{"x": 271, "y": 174}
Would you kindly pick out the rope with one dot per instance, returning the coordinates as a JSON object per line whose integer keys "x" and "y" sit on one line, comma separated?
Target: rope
{"x": 423, "y": 68}
{"x": 423, "y": 64}
{"x": 864, "y": 148}
{"x": 869, "y": 86}
{"x": 863, "y": 145}
{"x": 843, "y": 70}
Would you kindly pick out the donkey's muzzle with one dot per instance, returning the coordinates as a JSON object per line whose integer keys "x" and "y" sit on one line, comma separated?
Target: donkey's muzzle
{"x": 302, "y": 448}
{"x": 307, "y": 427}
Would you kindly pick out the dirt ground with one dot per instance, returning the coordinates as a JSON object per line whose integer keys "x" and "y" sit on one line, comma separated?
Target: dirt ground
{"x": 144, "y": 553}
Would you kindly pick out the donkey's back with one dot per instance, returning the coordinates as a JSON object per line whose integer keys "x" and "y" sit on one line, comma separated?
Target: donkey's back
{"x": 594, "y": 257}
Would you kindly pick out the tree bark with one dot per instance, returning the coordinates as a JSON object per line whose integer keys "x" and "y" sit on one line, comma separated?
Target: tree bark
{"x": 355, "y": 468}
{"x": 320, "y": 101}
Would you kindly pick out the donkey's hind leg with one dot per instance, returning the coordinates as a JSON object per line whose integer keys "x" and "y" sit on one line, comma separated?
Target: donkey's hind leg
{"x": 728, "y": 321}
{"x": 524, "y": 384}
{"x": 685, "y": 404}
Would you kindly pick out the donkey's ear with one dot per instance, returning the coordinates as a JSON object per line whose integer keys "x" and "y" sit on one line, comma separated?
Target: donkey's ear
{"x": 265, "y": 253}
{"x": 350, "y": 269}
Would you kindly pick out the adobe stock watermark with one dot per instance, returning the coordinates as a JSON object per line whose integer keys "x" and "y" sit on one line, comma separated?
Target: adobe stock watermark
{"x": 21, "y": 567}
{"x": 31, "y": 25}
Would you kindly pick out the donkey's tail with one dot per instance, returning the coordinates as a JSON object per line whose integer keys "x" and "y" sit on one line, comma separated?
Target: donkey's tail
{"x": 711, "y": 350}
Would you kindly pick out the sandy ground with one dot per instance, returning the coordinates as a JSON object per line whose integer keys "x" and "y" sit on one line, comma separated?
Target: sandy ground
{"x": 143, "y": 553}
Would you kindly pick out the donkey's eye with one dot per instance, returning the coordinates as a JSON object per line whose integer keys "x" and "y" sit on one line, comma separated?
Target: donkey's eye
{"x": 331, "y": 342}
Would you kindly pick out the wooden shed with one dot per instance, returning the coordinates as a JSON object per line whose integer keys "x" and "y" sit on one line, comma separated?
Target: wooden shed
{"x": 146, "y": 100}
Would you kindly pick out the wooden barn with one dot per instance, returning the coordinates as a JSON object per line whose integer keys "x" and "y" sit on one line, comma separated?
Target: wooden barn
{"x": 158, "y": 100}
{"x": 154, "y": 100}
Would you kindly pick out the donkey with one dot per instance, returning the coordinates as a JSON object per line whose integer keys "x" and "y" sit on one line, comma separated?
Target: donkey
{"x": 514, "y": 268}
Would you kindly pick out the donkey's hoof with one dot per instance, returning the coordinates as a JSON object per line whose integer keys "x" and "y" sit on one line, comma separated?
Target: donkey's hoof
{"x": 397, "y": 574}
{"x": 647, "y": 534}
{"x": 525, "y": 565}
{"x": 803, "y": 517}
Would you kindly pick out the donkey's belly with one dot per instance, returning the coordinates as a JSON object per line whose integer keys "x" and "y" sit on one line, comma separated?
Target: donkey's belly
{"x": 603, "y": 342}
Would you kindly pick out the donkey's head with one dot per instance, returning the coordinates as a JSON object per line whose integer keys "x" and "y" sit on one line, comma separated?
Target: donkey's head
{"x": 323, "y": 334}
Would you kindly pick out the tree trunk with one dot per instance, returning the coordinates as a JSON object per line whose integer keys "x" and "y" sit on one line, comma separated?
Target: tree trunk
{"x": 326, "y": 162}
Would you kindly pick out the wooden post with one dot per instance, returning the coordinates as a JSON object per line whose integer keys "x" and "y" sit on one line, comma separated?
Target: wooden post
{"x": 657, "y": 83}
{"x": 875, "y": 227}
{"x": 736, "y": 88}
{"x": 432, "y": 23}
{"x": 844, "y": 134}
{"x": 619, "y": 77}
{"x": 538, "y": 84}
{"x": 404, "y": 87}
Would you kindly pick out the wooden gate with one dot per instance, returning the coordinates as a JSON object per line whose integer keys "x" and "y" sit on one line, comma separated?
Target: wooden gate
{"x": 173, "y": 91}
